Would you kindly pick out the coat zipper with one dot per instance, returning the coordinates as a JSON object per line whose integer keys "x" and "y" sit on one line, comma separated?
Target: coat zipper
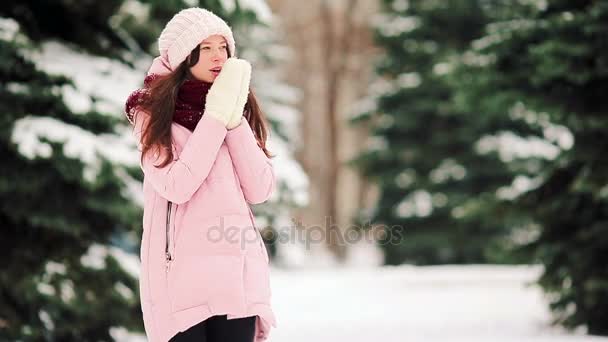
{"x": 168, "y": 256}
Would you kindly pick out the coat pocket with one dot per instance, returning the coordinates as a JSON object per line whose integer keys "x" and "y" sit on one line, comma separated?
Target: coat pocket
{"x": 203, "y": 279}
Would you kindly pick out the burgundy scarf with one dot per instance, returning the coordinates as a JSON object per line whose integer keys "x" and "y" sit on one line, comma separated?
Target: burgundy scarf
{"x": 189, "y": 104}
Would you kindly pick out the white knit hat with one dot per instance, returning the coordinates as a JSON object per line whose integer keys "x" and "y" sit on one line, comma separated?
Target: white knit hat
{"x": 187, "y": 29}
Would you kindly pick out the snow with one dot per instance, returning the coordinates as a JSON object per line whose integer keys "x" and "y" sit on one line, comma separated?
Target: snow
{"x": 442, "y": 68}
{"x": 133, "y": 188}
{"x": 53, "y": 267}
{"x": 121, "y": 334}
{"x": 400, "y": 5}
{"x": 510, "y": 146}
{"x": 518, "y": 186}
{"x": 487, "y": 41}
{"x": 95, "y": 258}
{"x": 128, "y": 261}
{"x": 9, "y": 29}
{"x": 67, "y": 290}
{"x": 108, "y": 81}
{"x": 408, "y": 303}
{"x": 259, "y": 7}
{"x": 45, "y": 318}
{"x": 45, "y": 289}
{"x": 394, "y": 25}
{"x": 31, "y": 133}
{"x": 540, "y": 5}
{"x": 500, "y": 31}
{"x": 124, "y": 291}
{"x": 473, "y": 58}
{"x": 228, "y": 5}
{"x": 138, "y": 10}
{"x": 66, "y": 286}
{"x": 378, "y": 87}
{"x": 552, "y": 132}
{"x": 419, "y": 203}
{"x": 376, "y": 143}
{"x": 405, "y": 178}
{"x": 448, "y": 169}
{"x": 409, "y": 80}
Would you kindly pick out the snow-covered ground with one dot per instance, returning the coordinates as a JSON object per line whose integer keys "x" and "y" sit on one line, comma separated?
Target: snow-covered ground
{"x": 475, "y": 303}
{"x": 408, "y": 303}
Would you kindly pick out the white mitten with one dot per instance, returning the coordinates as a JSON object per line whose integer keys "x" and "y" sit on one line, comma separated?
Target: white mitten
{"x": 237, "y": 115}
{"x": 226, "y": 91}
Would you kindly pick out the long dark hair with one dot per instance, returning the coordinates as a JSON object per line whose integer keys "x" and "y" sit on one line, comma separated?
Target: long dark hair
{"x": 159, "y": 102}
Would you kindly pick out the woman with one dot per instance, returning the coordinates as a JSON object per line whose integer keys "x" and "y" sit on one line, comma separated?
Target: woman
{"x": 205, "y": 268}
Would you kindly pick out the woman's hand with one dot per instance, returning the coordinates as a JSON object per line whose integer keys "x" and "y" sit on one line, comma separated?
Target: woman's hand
{"x": 235, "y": 120}
{"x": 228, "y": 94}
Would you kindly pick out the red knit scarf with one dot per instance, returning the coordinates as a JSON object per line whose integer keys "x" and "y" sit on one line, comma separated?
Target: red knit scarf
{"x": 189, "y": 104}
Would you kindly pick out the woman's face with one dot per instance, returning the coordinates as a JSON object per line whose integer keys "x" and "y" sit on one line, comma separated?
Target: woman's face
{"x": 213, "y": 55}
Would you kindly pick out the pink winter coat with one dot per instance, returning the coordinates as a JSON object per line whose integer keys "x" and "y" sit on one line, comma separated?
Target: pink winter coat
{"x": 201, "y": 253}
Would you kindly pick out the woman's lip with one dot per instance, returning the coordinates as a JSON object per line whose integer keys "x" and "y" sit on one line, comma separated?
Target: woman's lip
{"x": 215, "y": 72}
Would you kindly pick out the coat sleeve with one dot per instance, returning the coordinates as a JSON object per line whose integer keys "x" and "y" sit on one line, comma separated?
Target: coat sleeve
{"x": 179, "y": 180}
{"x": 253, "y": 167}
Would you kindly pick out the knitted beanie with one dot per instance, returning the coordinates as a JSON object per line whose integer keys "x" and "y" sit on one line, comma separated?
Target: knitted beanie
{"x": 186, "y": 30}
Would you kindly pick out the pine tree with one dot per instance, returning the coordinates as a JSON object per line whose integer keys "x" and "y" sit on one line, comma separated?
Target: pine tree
{"x": 437, "y": 194}
{"x": 66, "y": 210}
{"x": 545, "y": 66}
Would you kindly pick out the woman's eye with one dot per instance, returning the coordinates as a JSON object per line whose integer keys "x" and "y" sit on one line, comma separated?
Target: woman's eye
{"x": 208, "y": 48}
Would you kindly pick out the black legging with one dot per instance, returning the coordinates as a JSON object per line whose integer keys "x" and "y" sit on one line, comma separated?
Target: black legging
{"x": 219, "y": 328}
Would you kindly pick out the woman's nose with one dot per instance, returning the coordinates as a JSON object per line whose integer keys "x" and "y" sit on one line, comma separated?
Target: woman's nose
{"x": 217, "y": 54}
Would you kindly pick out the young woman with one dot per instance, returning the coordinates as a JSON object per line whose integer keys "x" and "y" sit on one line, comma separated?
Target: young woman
{"x": 204, "y": 267}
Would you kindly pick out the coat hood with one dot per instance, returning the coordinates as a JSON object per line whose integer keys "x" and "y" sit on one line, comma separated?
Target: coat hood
{"x": 159, "y": 66}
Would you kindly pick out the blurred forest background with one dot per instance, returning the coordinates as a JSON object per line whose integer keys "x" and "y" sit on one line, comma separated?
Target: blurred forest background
{"x": 456, "y": 132}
